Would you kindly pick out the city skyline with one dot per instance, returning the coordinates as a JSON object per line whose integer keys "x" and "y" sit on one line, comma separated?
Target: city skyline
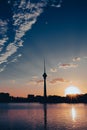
{"x": 32, "y": 30}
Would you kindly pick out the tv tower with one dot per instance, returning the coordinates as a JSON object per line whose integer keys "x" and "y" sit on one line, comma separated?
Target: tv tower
{"x": 45, "y": 76}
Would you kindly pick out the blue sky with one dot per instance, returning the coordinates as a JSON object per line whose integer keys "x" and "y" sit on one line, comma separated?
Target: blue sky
{"x": 32, "y": 30}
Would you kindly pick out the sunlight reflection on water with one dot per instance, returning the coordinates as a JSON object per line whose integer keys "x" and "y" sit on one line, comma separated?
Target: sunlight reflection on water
{"x": 73, "y": 113}
{"x": 43, "y": 117}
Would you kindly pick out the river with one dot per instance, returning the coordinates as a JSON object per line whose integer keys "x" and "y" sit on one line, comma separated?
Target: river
{"x": 35, "y": 116}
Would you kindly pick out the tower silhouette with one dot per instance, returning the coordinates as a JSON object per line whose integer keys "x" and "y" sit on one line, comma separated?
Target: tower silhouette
{"x": 45, "y": 76}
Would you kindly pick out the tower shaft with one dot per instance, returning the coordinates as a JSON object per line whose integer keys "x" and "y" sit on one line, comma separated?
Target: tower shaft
{"x": 45, "y": 76}
{"x": 45, "y": 92}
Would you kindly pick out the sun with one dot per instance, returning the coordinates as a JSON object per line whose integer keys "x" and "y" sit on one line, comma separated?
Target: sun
{"x": 72, "y": 90}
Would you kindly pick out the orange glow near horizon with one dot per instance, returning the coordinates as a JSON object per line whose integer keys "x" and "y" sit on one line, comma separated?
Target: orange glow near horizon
{"x": 37, "y": 89}
{"x": 72, "y": 90}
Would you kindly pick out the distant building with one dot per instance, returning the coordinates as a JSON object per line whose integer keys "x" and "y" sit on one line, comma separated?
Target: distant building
{"x": 30, "y": 96}
{"x": 4, "y": 97}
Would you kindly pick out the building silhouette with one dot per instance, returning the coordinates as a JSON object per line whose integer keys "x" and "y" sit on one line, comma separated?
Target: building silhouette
{"x": 4, "y": 97}
{"x": 44, "y": 77}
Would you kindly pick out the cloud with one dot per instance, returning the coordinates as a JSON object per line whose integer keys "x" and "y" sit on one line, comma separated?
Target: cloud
{"x": 11, "y": 49}
{"x": 76, "y": 59}
{"x": 68, "y": 65}
{"x": 53, "y": 70}
{"x": 2, "y": 68}
{"x": 3, "y": 40}
{"x": 3, "y": 33}
{"x": 56, "y": 3}
{"x": 35, "y": 82}
{"x": 16, "y": 58}
{"x": 39, "y": 81}
{"x": 58, "y": 80}
{"x": 3, "y": 26}
{"x": 34, "y": 77}
{"x": 25, "y": 14}
{"x": 30, "y": 83}
{"x": 19, "y": 55}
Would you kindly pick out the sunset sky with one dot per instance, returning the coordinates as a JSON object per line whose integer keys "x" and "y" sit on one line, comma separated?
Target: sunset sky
{"x": 31, "y": 30}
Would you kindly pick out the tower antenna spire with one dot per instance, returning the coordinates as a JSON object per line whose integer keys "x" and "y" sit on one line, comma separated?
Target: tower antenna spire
{"x": 44, "y": 67}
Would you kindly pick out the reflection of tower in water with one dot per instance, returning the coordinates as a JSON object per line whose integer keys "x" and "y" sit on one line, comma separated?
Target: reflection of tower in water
{"x": 45, "y": 116}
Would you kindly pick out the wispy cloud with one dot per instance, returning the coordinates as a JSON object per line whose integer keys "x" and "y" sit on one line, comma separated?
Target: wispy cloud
{"x": 2, "y": 68}
{"x": 3, "y": 33}
{"x": 11, "y": 49}
{"x": 53, "y": 70}
{"x": 3, "y": 26}
{"x": 30, "y": 83}
{"x": 34, "y": 77}
{"x": 53, "y": 81}
{"x": 59, "y": 80}
{"x": 39, "y": 81}
{"x": 34, "y": 82}
{"x": 3, "y": 40}
{"x": 76, "y": 59}
{"x": 56, "y": 3}
{"x": 16, "y": 58}
{"x": 68, "y": 65}
{"x": 25, "y": 14}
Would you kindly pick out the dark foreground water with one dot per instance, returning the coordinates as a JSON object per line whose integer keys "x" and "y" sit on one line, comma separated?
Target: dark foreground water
{"x": 43, "y": 117}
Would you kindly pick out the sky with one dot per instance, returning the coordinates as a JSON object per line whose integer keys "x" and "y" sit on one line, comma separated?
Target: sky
{"x": 34, "y": 30}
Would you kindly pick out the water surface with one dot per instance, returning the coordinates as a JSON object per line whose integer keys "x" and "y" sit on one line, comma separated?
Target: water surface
{"x": 25, "y": 116}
